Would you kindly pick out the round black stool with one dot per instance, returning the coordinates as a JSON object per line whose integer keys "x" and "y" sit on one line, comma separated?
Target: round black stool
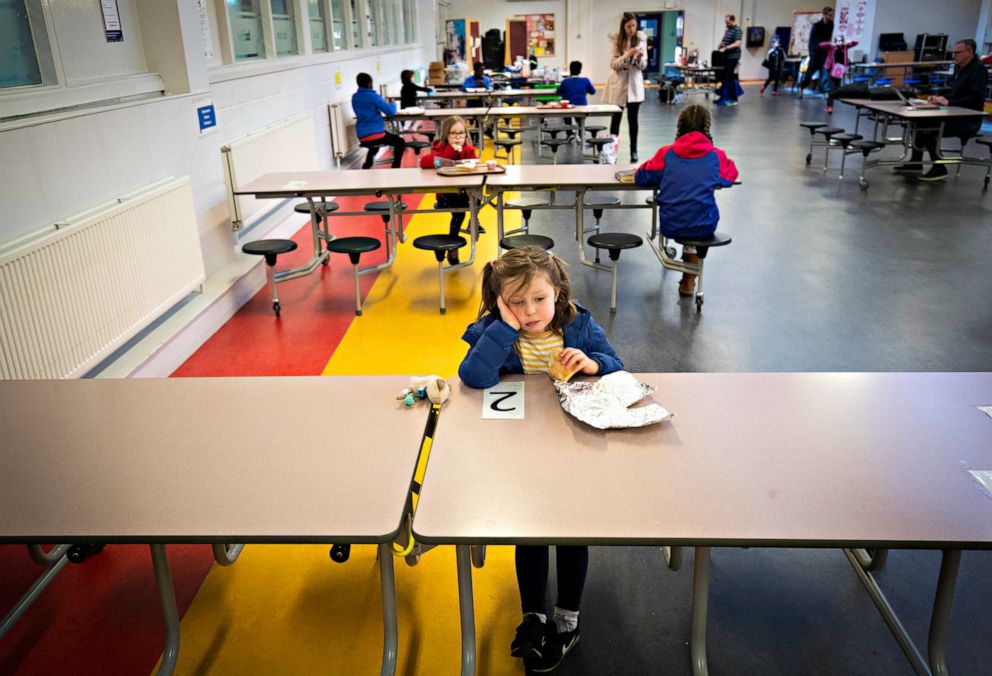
{"x": 987, "y": 142}
{"x": 323, "y": 208}
{"x": 554, "y": 144}
{"x": 270, "y": 248}
{"x": 702, "y": 245}
{"x": 614, "y": 243}
{"x": 866, "y": 147}
{"x": 418, "y": 146}
{"x": 844, "y": 140}
{"x": 515, "y": 241}
{"x": 373, "y": 150}
{"x": 508, "y": 144}
{"x": 355, "y": 247}
{"x": 382, "y": 209}
{"x": 526, "y": 204}
{"x": 598, "y": 142}
{"x": 440, "y": 245}
{"x": 594, "y": 129}
{"x": 596, "y": 203}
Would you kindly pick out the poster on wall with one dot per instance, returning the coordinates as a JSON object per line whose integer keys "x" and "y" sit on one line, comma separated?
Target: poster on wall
{"x": 852, "y": 18}
{"x": 541, "y": 34}
{"x": 455, "y": 34}
{"x": 802, "y": 22}
{"x": 111, "y": 21}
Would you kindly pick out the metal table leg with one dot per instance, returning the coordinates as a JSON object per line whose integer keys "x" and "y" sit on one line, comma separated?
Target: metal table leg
{"x": 700, "y": 597}
{"x": 167, "y": 596}
{"x": 936, "y": 644}
{"x": 389, "y": 630}
{"x": 466, "y": 606}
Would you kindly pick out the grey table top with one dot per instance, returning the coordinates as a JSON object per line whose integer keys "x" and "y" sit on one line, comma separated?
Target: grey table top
{"x": 769, "y": 459}
{"x": 287, "y": 459}
{"x": 900, "y": 109}
{"x": 597, "y": 176}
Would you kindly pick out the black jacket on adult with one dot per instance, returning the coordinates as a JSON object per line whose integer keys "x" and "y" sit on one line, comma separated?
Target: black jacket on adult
{"x": 821, "y": 31}
{"x": 967, "y": 91}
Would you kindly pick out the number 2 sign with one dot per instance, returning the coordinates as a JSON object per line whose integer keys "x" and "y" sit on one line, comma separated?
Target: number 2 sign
{"x": 503, "y": 401}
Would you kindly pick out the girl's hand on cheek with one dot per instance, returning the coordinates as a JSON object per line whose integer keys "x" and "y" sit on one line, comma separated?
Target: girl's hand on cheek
{"x": 506, "y": 314}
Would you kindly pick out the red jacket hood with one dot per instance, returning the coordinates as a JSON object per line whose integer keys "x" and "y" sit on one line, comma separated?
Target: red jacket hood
{"x": 692, "y": 145}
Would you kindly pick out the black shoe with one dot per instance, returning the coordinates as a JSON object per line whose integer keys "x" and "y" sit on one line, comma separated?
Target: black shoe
{"x": 531, "y": 641}
{"x": 558, "y": 646}
{"x": 908, "y": 168}
{"x": 453, "y": 257}
{"x": 936, "y": 173}
{"x": 633, "y": 155}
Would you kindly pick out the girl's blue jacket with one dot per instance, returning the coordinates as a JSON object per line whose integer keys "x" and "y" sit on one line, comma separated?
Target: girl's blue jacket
{"x": 491, "y": 352}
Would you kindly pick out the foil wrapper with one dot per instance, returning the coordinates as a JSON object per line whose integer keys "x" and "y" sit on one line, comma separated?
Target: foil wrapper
{"x": 605, "y": 403}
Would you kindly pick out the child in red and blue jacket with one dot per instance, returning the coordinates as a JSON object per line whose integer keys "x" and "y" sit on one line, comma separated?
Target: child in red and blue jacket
{"x": 686, "y": 175}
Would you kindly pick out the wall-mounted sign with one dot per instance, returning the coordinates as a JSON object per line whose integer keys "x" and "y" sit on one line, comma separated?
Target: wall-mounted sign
{"x": 111, "y": 21}
{"x": 206, "y": 116}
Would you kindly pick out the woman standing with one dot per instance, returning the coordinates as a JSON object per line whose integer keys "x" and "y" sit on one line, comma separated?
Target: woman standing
{"x": 625, "y": 87}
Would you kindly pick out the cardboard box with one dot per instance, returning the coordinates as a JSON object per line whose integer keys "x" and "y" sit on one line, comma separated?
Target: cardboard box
{"x": 435, "y": 72}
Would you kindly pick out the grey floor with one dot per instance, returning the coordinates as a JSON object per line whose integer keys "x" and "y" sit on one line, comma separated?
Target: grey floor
{"x": 820, "y": 277}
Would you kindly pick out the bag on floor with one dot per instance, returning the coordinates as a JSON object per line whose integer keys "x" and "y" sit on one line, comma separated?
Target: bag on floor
{"x": 608, "y": 154}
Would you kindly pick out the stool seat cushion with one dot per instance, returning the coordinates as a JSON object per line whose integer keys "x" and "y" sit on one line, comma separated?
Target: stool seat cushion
{"x": 526, "y": 203}
{"x": 812, "y": 125}
{"x": 418, "y": 145}
{"x": 601, "y": 201}
{"x": 716, "y": 239}
{"x": 439, "y": 243}
{"x": 322, "y": 207}
{"x": 268, "y": 247}
{"x": 870, "y": 145}
{"x": 595, "y": 128}
{"x": 615, "y": 240}
{"x": 349, "y": 245}
{"x": 846, "y": 138}
{"x": 830, "y": 131}
{"x": 507, "y": 142}
{"x": 599, "y": 141}
{"x": 555, "y": 142}
{"x": 514, "y": 241}
{"x": 381, "y": 207}
{"x": 372, "y": 144}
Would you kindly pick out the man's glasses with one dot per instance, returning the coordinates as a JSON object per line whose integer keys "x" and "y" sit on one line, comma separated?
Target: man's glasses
{"x": 959, "y": 51}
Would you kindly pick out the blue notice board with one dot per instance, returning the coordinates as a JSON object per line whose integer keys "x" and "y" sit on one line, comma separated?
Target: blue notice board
{"x": 206, "y": 117}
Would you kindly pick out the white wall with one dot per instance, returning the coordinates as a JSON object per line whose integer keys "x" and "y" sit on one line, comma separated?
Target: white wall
{"x": 64, "y": 166}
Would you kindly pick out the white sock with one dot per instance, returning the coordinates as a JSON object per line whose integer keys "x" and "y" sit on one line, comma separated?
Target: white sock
{"x": 566, "y": 620}
{"x": 541, "y": 616}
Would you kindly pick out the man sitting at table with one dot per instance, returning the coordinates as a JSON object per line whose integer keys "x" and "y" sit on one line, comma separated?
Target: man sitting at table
{"x": 967, "y": 90}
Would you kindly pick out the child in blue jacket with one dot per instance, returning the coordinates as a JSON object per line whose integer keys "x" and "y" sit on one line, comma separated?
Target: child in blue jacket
{"x": 369, "y": 110}
{"x": 686, "y": 175}
{"x": 575, "y": 88}
{"x": 527, "y": 317}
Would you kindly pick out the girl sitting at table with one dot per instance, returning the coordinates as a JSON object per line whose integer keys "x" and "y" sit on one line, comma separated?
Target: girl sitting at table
{"x": 451, "y": 144}
{"x": 686, "y": 174}
{"x": 527, "y": 321}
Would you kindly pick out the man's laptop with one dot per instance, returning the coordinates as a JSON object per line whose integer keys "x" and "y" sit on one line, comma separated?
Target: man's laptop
{"x": 916, "y": 104}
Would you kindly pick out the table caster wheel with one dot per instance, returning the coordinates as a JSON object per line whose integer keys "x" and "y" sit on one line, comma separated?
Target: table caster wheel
{"x": 276, "y": 307}
{"x": 670, "y": 250}
{"x": 863, "y": 184}
{"x": 809, "y": 158}
{"x": 412, "y": 559}
{"x": 478, "y": 554}
{"x": 79, "y": 553}
{"x": 340, "y": 553}
{"x": 699, "y": 303}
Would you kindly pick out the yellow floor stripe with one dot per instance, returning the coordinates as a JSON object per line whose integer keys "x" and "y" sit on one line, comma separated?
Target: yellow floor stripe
{"x": 289, "y": 609}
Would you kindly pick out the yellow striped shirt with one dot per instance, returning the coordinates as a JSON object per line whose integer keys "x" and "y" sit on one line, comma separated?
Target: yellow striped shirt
{"x": 535, "y": 349}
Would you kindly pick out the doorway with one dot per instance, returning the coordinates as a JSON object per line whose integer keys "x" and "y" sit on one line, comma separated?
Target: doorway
{"x": 664, "y": 31}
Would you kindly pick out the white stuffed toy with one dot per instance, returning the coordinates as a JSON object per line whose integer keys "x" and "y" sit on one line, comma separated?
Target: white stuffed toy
{"x": 433, "y": 388}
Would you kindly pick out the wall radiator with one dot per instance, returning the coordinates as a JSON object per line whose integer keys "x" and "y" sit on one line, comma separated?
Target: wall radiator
{"x": 72, "y": 294}
{"x": 288, "y": 145}
{"x": 343, "y": 137}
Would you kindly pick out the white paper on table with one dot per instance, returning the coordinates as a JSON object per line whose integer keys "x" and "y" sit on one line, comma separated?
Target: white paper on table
{"x": 411, "y": 110}
{"x": 987, "y": 410}
{"x": 983, "y": 477}
{"x": 294, "y": 185}
{"x": 504, "y": 401}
